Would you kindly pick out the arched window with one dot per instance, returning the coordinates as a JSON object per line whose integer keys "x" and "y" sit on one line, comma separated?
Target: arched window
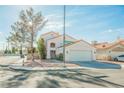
{"x": 52, "y": 45}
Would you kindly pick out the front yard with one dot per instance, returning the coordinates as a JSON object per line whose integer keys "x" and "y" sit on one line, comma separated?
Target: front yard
{"x": 48, "y": 63}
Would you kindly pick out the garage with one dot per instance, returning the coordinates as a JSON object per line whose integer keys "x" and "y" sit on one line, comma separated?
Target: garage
{"x": 80, "y": 55}
{"x": 78, "y": 51}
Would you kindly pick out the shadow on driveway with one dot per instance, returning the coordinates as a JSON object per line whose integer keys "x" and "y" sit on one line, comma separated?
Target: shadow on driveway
{"x": 98, "y": 65}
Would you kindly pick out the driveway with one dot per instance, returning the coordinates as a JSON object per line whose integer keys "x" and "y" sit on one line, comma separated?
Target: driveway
{"x": 98, "y": 65}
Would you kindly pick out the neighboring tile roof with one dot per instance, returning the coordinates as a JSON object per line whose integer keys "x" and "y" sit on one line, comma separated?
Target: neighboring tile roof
{"x": 103, "y": 46}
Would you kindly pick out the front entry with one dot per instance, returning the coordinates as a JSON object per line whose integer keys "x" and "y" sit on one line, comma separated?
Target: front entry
{"x": 53, "y": 54}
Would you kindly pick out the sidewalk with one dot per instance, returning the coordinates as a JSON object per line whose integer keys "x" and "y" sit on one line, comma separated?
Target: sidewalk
{"x": 11, "y": 60}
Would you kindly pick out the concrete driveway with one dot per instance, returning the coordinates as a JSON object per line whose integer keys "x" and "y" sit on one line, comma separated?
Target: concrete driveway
{"x": 98, "y": 65}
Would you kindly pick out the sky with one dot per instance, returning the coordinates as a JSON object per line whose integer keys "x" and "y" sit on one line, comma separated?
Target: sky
{"x": 99, "y": 23}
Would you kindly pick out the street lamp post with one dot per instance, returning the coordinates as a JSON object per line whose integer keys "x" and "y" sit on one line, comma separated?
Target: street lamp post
{"x": 64, "y": 36}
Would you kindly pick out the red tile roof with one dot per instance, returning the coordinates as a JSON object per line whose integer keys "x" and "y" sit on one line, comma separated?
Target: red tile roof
{"x": 109, "y": 45}
{"x": 50, "y": 32}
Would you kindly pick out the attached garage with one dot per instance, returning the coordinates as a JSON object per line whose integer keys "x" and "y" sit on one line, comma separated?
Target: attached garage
{"x": 80, "y": 55}
{"x": 78, "y": 51}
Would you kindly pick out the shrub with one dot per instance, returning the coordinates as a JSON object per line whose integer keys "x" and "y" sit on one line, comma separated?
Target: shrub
{"x": 59, "y": 57}
{"x": 41, "y": 48}
{"x": 13, "y": 50}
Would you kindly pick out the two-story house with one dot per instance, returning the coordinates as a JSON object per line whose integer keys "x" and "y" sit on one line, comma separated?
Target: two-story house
{"x": 75, "y": 50}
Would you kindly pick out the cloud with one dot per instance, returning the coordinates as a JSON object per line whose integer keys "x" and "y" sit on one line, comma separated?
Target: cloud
{"x": 110, "y": 30}
{"x": 113, "y": 31}
{"x": 56, "y": 25}
{"x": 55, "y": 22}
{"x": 51, "y": 16}
{"x": 107, "y": 31}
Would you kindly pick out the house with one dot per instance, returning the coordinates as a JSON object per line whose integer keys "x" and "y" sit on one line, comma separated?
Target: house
{"x": 54, "y": 43}
{"x": 106, "y": 51}
{"x": 75, "y": 50}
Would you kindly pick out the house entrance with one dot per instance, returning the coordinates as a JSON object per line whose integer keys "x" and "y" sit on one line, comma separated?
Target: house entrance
{"x": 53, "y": 54}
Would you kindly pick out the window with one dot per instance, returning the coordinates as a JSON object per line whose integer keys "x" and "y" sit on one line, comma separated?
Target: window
{"x": 103, "y": 46}
{"x": 52, "y": 45}
{"x": 121, "y": 56}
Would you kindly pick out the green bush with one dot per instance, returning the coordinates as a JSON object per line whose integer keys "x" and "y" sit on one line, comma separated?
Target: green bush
{"x": 7, "y": 51}
{"x": 13, "y": 50}
{"x": 59, "y": 57}
{"x": 41, "y": 48}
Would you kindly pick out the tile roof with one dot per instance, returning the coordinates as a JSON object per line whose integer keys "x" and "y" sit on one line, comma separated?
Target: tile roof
{"x": 50, "y": 32}
{"x": 60, "y": 36}
{"x": 75, "y": 43}
{"x": 109, "y": 45}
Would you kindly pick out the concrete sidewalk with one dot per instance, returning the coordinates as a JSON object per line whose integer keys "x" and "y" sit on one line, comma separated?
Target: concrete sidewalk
{"x": 11, "y": 60}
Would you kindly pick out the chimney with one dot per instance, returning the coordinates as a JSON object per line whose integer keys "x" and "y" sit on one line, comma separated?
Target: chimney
{"x": 118, "y": 39}
{"x": 94, "y": 42}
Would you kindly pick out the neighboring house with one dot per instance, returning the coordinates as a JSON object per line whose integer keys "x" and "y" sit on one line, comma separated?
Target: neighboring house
{"x": 106, "y": 51}
{"x": 75, "y": 50}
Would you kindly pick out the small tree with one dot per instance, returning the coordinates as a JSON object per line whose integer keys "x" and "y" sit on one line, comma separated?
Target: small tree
{"x": 41, "y": 48}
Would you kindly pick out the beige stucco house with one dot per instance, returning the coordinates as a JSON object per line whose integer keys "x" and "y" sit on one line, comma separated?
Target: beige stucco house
{"x": 75, "y": 50}
{"x": 106, "y": 51}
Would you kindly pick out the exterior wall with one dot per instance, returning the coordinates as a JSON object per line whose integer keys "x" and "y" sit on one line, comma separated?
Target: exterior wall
{"x": 109, "y": 53}
{"x": 48, "y": 36}
{"x": 58, "y": 42}
{"x": 78, "y": 46}
{"x": 102, "y": 55}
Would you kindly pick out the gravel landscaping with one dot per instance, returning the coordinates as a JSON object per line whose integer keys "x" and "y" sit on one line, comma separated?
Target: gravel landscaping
{"x": 48, "y": 63}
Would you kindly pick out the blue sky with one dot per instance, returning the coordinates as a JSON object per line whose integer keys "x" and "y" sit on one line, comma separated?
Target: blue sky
{"x": 100, "y": 23}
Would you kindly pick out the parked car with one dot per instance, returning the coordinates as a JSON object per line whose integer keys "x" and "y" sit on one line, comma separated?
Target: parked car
{"x": 119, "y": 58}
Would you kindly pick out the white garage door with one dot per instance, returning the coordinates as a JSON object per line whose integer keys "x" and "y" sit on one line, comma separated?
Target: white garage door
{"x": 80, "y": 55}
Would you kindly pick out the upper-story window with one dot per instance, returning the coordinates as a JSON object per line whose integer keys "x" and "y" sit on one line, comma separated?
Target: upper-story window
{"x": 52, "y": 45}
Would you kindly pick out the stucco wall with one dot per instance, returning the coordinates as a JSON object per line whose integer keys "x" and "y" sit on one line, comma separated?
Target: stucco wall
{"x": 106, "y": 54}
{"x": 58, "y": 42}
{"x": 82, "y": 46}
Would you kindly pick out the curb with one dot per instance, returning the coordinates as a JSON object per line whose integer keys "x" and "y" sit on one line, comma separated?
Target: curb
{"x": 21, "y": 68}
